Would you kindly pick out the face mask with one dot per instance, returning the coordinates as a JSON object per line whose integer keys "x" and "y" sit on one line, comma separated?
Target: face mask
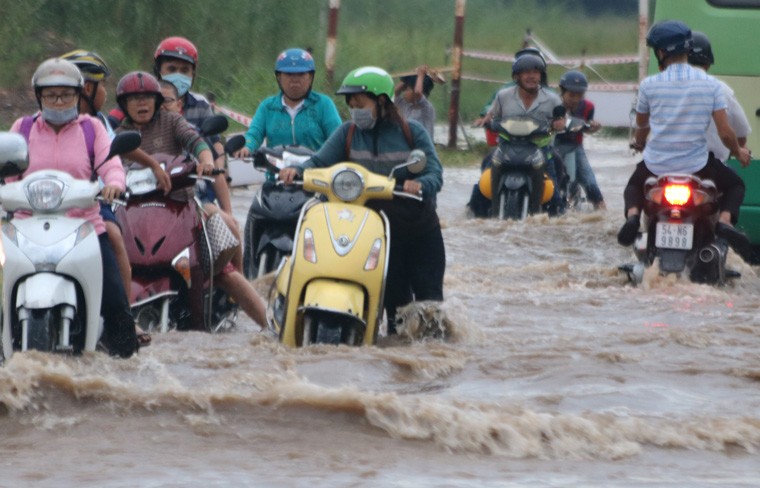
{"x": 362, "y": 117}
{"x": 179, "y": 80}
{"x": 60, "y": 117}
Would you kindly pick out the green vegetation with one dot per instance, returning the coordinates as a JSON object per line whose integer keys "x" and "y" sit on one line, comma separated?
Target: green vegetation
{"x": 239, "y": 39}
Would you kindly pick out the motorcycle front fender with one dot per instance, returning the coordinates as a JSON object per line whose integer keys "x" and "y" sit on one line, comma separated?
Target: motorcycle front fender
{"x": 334, "y": 296}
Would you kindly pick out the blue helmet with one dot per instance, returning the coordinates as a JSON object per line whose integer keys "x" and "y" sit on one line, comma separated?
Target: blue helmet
{"x": 672, "y": 36}
{"x": 574, "y": 81}
{"x": 294, "y": 61}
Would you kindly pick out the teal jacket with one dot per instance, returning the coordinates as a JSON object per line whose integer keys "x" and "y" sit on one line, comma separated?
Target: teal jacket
{"x": 313, "y": 124}
{"x": 380, "y": 149}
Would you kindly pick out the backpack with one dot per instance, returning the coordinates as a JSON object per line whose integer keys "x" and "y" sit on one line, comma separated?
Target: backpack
{"x": 89, "y": 137}
{"x": 404, "y": 127}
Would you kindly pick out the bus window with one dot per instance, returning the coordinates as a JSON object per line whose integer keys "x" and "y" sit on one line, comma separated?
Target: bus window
{"x": 735, "y": 3}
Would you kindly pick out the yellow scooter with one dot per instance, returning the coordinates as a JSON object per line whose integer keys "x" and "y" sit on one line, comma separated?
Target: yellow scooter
{"x": 330, "y": 289}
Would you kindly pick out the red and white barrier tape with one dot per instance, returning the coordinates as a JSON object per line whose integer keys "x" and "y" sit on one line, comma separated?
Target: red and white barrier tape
{"x": 237, "y": 117}
{"x": 596, "y": 60}
{"x": 599, "y": 87}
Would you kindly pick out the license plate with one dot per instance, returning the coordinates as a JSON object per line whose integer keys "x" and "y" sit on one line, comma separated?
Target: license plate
{"x": 674, "y": 236}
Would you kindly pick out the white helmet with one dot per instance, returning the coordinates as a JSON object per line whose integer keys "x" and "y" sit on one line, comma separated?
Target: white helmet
{"x": 57, "y": 72}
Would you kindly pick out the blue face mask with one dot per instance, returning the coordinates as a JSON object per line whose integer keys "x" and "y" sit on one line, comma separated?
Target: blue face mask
{"x": 182, "y": 82}
{"x": 60, "y": 117}
{"x": 362, "y": 117}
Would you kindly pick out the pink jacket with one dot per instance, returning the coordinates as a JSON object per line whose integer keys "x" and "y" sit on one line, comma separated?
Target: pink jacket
{"x": 67, "y": 151}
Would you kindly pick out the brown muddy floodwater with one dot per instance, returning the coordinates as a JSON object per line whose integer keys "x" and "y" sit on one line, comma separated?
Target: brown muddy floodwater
{"x": 558, "y": 374}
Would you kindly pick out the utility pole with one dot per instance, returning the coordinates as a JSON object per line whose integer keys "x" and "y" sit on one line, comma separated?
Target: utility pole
{"x": 643, "y": 29}
{"x": 332, "y": 42}
{"x": 456, "y": 56}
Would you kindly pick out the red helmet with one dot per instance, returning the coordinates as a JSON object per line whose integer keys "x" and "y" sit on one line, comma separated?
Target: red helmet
{"x": 138, "y": 82}
{"x": 178, "y": 48}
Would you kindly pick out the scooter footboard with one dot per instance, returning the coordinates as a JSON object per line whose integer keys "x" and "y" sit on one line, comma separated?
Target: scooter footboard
{"x": 335, "y": 296}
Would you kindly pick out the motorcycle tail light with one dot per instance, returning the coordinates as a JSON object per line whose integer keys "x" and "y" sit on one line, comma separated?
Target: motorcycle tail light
{"x": 374, "y": 255}
{"x": 181, "y": 263}
{"x": 677, "y": 194}
{"x": 309, "y": 251}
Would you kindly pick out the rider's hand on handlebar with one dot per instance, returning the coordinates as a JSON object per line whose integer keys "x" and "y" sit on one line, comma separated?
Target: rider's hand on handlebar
{"x": 109, "y": 192}
{"x": 163, "y": 180}
{"x": 559, "y": 124}
{"x": 242, "y": 153}
{"x": 205, "y": 168}
{"x": 287, "y": 175}
{"x": 744, "y": 156}
{"x": 413, "y": 187}
{"x": 595, "y": 126}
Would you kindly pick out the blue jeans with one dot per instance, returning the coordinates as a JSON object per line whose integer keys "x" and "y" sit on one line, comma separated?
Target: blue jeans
{"x": 579, "y": 170}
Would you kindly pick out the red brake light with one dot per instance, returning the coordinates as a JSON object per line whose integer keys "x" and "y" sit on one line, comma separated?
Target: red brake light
{"x": 677, "y": 194}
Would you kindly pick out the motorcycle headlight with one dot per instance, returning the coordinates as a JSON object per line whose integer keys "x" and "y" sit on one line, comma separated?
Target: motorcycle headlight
{"x": 45, "y": 194}
{"x": 347, "y": 185}
{"x": 141, "y": 181}
{"x": 537, "y": 159}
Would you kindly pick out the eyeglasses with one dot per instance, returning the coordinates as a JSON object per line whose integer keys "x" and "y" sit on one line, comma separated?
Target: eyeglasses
{"x": 67, "y": 97}
{"x": 169, "y": 101}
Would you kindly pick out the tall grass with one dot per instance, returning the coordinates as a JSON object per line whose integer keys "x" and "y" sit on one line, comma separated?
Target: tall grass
{"x": 239, "y": 39}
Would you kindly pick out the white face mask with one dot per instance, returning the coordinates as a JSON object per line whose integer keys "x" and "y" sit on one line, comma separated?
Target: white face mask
{"x": 60, "y": 117}
{"x": 363, "y": 118}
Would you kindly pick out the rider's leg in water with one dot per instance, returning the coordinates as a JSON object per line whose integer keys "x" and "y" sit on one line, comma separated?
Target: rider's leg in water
{"x": 587, "y": 178}
{"x": 237, "y": 258}
{"x": 122, "y": 260}
{"x": 479, "y": 204}
{"x": 429, "y": 255}
{"x": 118, "y": 323}
{"x": 732, "y": 190}
{"x": 398, "y": 290}
{"x": 556, "y": 204}
{"x": 241, "y": 290}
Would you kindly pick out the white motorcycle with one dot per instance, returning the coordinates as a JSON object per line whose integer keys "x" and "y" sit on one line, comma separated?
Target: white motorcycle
{"x": 52, "y": 271}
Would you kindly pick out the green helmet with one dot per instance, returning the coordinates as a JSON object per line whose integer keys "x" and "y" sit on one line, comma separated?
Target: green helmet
{"x": 368, "y": 79}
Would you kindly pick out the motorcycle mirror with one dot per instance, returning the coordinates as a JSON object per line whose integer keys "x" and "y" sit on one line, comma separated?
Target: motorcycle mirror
{"x": 214, "y": 125}
{"x": 234, "y": 144}
{"x": 559, "y": 112}
{"x": 14, "y": 155}
{"x": 124, "y": 142}
{"x": 417, "y": 161}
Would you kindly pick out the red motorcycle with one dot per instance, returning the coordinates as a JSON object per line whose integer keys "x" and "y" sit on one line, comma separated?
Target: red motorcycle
{"x": 167, "y": 240}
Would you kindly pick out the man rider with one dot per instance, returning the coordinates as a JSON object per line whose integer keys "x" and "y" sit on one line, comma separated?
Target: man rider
{"x": 297, "y": 115}
{"x": 701, "y": 56}
{"x": 529, "y": 98}
{"x": 675, "y": 106}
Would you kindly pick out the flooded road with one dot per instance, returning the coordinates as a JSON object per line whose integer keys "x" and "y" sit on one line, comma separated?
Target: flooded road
{"x": 559, "y": 373}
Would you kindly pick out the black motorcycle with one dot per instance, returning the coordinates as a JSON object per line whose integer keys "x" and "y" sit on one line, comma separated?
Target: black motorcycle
{"x": 518, "y": 165}
{"x": 273, "y": 215}
{"x": 681, "y": 212}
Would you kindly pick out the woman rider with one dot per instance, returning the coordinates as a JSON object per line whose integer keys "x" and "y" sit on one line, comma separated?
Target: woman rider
{"x": 139, "y": 96}
{"x": 378, "y": 138}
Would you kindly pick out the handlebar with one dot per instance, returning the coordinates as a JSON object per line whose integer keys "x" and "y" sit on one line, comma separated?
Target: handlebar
{"x": 398, "y": 191}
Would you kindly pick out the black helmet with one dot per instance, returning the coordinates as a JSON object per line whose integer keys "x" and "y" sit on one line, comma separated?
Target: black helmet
{"x": 528, "y": 61}
{"x": 529, "y": 50}
{"x": 672, "y": 36}
{"x": 574, "y": 81}
{"x": 701, "y": 52}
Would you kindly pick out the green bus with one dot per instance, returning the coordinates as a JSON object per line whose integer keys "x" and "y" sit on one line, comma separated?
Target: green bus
{"x": 733, "y": 27}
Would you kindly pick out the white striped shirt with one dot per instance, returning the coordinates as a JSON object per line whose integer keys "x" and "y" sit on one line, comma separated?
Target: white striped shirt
{"x": 680, "y": 102}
